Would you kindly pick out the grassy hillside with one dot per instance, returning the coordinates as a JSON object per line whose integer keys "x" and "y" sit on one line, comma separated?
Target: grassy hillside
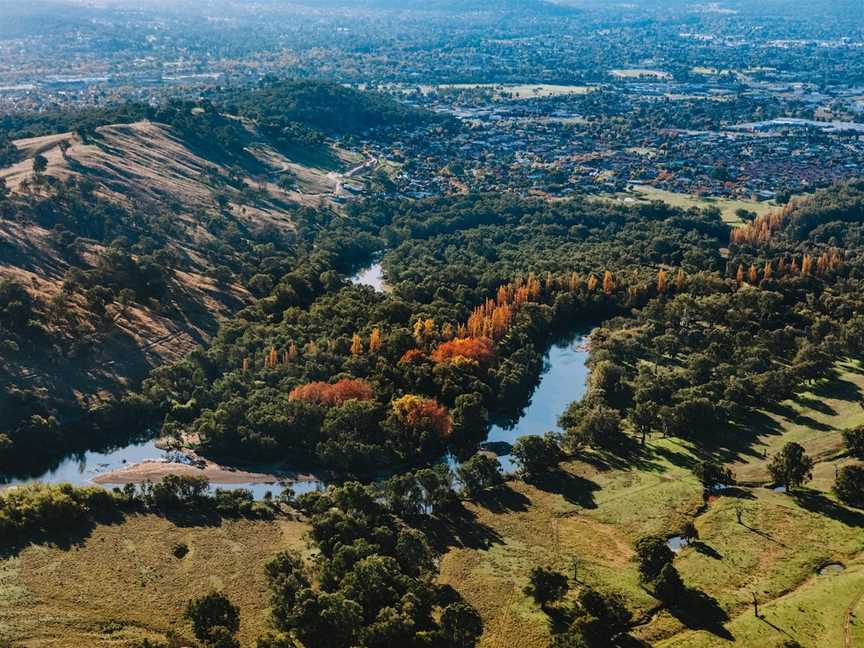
{"x": 584, "y": 523}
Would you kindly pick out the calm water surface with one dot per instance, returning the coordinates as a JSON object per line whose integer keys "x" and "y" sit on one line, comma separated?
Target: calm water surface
{"x": 564, "y": 380}
{"x": 373, "y": 276}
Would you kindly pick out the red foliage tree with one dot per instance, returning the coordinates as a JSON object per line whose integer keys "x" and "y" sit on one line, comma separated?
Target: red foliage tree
{"x": 333, "y": 394}
{"x": 473, "y": 348}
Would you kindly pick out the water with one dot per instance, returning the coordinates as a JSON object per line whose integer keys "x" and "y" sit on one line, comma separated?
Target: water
{"x": 563, "y": 381}
{"x": 677, "y": 543}
{"x": 81, "y": 469}
{"x": 373, "y": 276}
{"x": 832, "y": 569}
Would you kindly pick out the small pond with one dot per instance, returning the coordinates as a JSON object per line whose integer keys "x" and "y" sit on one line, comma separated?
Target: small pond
{"x": 677, "y": 543}
{"x": 831, "y": 569}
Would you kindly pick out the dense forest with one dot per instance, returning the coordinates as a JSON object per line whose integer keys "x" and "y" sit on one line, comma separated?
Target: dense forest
{"x": 353, "y": 380}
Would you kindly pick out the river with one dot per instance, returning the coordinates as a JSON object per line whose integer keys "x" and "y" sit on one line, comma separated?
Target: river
{"x": 563, "y": 380}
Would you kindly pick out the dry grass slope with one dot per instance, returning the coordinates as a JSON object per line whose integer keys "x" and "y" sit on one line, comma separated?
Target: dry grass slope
{"x": 122, "y": 583}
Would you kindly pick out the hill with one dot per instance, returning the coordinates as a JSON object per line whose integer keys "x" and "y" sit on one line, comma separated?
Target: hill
{"x": 124, "y": 245}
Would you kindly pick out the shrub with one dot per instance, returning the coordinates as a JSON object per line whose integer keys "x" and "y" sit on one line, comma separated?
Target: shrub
{"x": 211, "y": 615}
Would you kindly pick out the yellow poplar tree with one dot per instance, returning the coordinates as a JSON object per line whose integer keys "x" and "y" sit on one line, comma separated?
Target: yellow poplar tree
{"x": 375, "y": 341}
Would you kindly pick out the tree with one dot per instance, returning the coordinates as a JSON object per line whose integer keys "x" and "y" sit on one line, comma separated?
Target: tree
{"x": 713, "y": 475}
{"x": 854, "y": 439}
{"x": 479, "y": 473}
{"x": 40, "y": 164}
{"x": 601, "y": 617}
{"x": 470, "y": 419}
{"x": 849, "y": 486}
{"x": 287, "y": 577}
{"x": 260, "y": 285}
{"x": 535, "y": 454}
{"x": 326, "y": 619}
{"x": 643, "y": 417}
{"x": 461, "y": 626}
{"x": 668, "y": 586}
{"x": 546, "y": 586}
{"x": 791, "y": 466}
{"x": 652, "y": 555}
{"x": 210, "y": 613}
{"x": 597, "y": 426}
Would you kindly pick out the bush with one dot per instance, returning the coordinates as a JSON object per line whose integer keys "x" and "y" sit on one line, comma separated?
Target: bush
{"x": 212, "y": 616}
{"x": 479, "y": 473}
{"x": 653, "y": 555}
{"x": 546, "y": 586}
{"x": 849, "y": 486}
{"x": 854, "y": 440}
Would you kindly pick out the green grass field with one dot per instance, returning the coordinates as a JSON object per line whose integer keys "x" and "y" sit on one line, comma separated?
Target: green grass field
{"x": 727, "y": 206}
{"x": 121, "y": 582}
{"x": 588, "y": 518}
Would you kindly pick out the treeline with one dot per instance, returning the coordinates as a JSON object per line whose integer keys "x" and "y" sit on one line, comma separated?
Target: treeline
{"x": 42, "y": 510}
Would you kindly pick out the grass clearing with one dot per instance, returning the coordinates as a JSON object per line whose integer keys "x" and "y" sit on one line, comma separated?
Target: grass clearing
{"x": 727, "y": 206}
{"x": 122, "y": 583}
{"x": 815, "y": 419}
{"x": 584, "y": 521}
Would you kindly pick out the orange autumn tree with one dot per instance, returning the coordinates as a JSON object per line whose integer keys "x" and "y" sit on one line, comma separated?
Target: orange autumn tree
{"x": 333, "y": 394}
{"x": 662, "y": 280}
{"x": 416, "y": 412}
{"x": 375, "y": 340}
{"x": 480, "y": 349}
{"x": 356, "y": 345}
{"x": 608, "y": 282}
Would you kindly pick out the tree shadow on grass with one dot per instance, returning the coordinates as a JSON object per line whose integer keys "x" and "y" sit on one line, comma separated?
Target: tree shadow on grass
{"x": 458, "y": 527}
{"x": 698, "y": 611}
{"x": 817, "y": 502}
{"x": 764, "y": 534}
{"x": 797, "y": 418}
{"x": 503, "y": 499}
{"x": 73, "y": 535}
{"x": 627, "y": 454}
{"x": 837, "y": 388}
{"x": 195, "y": 518}
{"x": 706, "y": 550}
{"x": 576, "y": 490}
{"x": 817, "y": 405}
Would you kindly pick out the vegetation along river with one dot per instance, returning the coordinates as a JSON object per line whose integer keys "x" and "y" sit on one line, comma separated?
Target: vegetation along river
{"x": 563, "y": 381}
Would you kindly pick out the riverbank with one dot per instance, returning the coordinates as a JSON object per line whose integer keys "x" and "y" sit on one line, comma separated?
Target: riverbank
{"x": 156, "y": 469}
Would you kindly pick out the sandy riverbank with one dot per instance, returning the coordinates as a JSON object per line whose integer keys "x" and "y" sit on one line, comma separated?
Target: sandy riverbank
{"x": 215, "y": 473}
